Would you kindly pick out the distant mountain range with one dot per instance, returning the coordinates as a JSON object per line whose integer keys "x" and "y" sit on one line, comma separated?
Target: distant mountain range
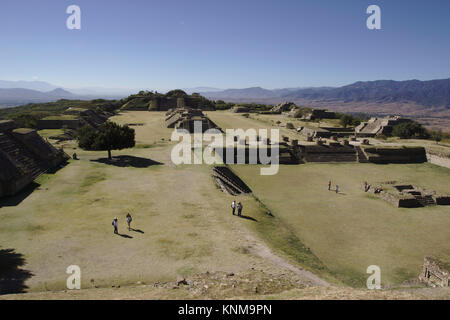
{"x": 32, "y": 85}
{"x": 427, "y": 93}
{"x": 411, "y": 97}
{"x": 14, "y": 93}
{"x": 17, "y": 96}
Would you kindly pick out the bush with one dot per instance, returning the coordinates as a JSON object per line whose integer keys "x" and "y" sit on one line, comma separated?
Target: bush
{"x": 410, "y": 130}
{"x": 303, "y": 111}
{"x": 289, "y": 125}
{"x": 437, "y": 135}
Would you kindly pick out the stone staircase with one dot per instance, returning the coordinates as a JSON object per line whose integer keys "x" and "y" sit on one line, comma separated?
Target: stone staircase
{"x": 360, "y": 155}
{"x": 373, "y": 128}
{"x": 21, "y": 156}
{"x": 425, "y": 200}
{"x": 92, "y": 118}
{"x": 229, "y": 181}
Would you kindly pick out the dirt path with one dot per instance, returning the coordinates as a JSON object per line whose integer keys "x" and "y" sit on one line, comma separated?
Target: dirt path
{"x": 258, "y": 248}
{"x": 261, "y": 250}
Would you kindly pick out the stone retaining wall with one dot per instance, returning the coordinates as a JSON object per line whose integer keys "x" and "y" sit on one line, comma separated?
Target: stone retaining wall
{"x": 438, "y": 160}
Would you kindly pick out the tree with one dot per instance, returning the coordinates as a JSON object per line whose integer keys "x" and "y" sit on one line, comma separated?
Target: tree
{"x": 409, "y": 130}
{"x": 346, "y": 120}
{"x": 437, "y": 136}
{"x": 109, "y": 136}
{"x": 177, "y": 93}
{"x": 290, "y": 125}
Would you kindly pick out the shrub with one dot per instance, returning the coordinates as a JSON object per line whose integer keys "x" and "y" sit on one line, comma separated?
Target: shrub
{"x": 289, "y": 125}
{"x": 409, "y": 130}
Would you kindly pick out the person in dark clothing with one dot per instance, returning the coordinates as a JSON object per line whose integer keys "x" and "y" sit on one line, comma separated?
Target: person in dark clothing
{"x": 239, "y": 208}
{"x": 129, "y": 219}
{"x": 329, "y": 185}
{"x": 115, "y": 224}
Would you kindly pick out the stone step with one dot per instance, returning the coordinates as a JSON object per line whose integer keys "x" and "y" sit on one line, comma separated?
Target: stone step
{"x": 20, "y": 155}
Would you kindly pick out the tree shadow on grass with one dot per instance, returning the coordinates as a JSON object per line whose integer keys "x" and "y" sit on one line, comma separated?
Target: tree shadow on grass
{"x": 128, "y": 161}
{"x": 12, "y": 278}
{"x": 15, "y": 200}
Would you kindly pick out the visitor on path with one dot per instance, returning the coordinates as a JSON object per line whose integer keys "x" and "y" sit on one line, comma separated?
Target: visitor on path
{"x": 115, "y": 224}
{"x": 337, "y": 189}
{"x": 129, "y": 219}
{"x": 233, "y": 206}
{"x": 239, "y": 207}
{"x": 329, "y": 185}
{"x": 74, "y": 156}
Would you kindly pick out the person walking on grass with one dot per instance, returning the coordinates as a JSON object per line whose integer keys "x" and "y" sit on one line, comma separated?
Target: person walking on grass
{"x": 233, "y": 207}
{"x": 329, "y": 185}
{"x": 239, "y": 207}
{"x": 129, "y": 219}
{"x": 337, "y": 189}
{"x": 115, "y": 224}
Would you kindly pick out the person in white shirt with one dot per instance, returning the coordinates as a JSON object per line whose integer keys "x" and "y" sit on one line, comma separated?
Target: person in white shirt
{"x": 233, "y": 206}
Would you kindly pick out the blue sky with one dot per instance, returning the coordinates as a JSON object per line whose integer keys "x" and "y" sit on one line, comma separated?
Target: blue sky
{"x": 226, "y": 44}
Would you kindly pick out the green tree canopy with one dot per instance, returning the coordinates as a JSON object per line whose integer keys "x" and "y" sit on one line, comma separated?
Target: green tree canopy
{"x": 177, "y": 93}
{"x": 437, "y": 135}
{"x": 346, "y": 120}
{"x": 409, "y": 130}
{"x": 109, "y": 136}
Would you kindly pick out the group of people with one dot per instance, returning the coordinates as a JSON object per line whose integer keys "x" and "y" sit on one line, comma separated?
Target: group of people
{"x": 329, "y": 187}
{"x": 115, "y": 223}
{"x": 239, "y": 208}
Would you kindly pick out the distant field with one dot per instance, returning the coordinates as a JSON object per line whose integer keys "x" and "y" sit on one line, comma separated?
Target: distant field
{"x": 352, "y": 230}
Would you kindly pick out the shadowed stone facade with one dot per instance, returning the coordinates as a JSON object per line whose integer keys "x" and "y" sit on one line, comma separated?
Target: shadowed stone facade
{"x": 184, "y": 118}
{"x": 24, "y": 155}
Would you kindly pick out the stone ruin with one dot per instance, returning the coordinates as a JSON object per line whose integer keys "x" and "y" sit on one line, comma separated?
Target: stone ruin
{"x": 379, "y": 126}
{"x": 435, "y": 273}
{"x": 73, "y": 118}
{"x": 183, "y": 118}
{"x": 240, "y": 109}
{"x": 325, "y": 132}
{"x": 24, "y": 155}
{"x": 287, "y": 151}
{"x": 319, "y": 114}
{"x": 395, "y": 154}
{"x": 282, "y": 107}
{"x": 332, "y": 152}
{"x": 229, "y": 182}
{"x": 406, "y": 195}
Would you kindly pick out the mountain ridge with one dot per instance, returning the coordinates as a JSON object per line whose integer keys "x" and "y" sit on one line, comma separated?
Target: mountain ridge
{"x": 427, "y": 93}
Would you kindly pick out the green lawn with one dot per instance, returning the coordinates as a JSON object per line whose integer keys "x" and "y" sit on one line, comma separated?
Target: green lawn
{"x": 186, "y": 225}
{"x": 185, "y": 219}
{"x": 352, "y": 230}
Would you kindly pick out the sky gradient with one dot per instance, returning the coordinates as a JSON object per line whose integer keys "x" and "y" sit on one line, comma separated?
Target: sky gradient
{"x": 225, "y": 44}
